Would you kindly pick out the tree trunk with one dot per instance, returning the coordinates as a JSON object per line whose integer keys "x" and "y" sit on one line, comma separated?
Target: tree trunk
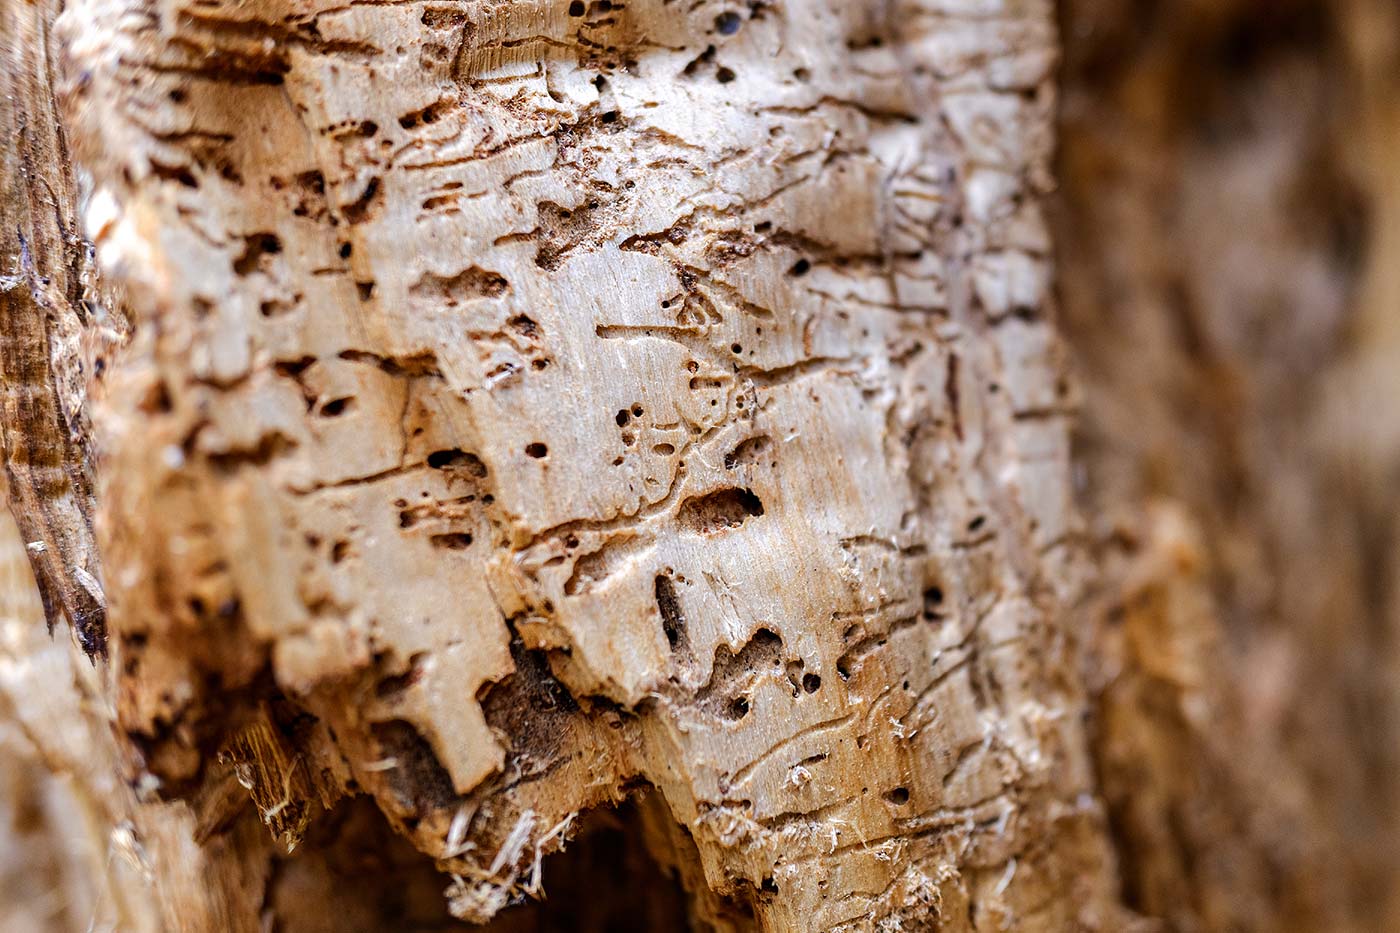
{"x": 626, "y": 449}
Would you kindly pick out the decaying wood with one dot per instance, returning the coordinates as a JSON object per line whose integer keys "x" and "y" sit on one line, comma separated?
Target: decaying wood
{"x": 623, "y": 450}
{"x": 534, "y": 401}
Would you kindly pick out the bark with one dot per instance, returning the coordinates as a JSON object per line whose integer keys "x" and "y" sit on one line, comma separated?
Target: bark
{"x": 47, "y": 305}
{"x": 646, "y": 431}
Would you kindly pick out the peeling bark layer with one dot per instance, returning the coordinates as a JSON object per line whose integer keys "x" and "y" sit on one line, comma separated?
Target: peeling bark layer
{"x": 531, "y": 402}
{"x": 50, "y": 320}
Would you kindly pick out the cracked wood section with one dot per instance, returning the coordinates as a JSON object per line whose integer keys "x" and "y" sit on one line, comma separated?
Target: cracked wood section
{"x": 535, "y": 401}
